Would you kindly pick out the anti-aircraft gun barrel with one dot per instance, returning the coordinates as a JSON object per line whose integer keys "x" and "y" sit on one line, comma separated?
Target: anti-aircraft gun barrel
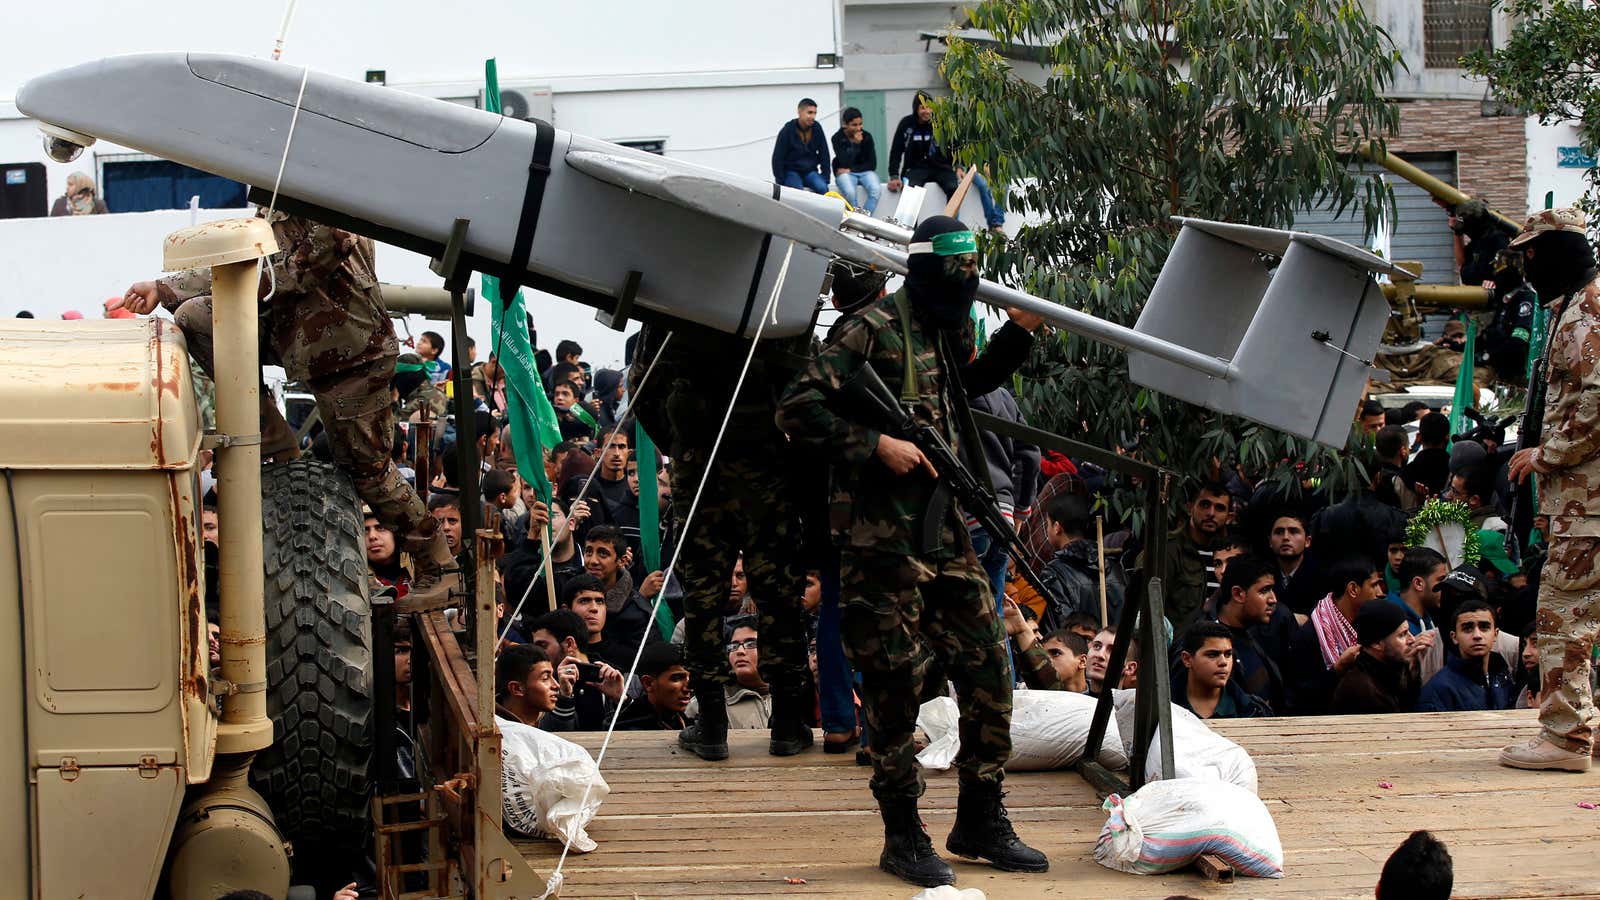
{"x": 1449, "y": 195}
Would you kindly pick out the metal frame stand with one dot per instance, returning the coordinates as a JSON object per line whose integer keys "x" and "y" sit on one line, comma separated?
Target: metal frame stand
{"x": 1153, "y": 700}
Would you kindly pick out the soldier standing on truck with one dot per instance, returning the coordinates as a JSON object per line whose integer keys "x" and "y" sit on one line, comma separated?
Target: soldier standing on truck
{"x": 1559, "y": 264}
{"x": 326, "y": 325}
{"x": 908, "y": 588}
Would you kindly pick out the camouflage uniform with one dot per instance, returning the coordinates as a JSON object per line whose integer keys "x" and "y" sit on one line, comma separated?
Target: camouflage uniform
{"x": 425, "y": 396}
{"x": 899, "y": 602}
{"x": 326, "y": 325}
{"x": 747, "y": 504}
{"x": 1569, "y": 593}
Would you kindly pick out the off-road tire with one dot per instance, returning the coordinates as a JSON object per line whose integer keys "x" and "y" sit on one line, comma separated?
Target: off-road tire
{"x": 319, "y": 658}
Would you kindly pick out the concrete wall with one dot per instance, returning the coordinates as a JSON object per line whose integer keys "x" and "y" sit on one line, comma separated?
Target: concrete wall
{"x": 1402, "y": 19}
{"x": 1545, "y": 175}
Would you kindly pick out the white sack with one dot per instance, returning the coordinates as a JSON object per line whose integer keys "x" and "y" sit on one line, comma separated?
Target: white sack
{"x": 543, "y": 777}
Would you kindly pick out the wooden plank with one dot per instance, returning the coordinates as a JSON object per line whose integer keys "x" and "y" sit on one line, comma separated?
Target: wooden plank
{"x": 676, "y": 826}
{"x": 1214, "y": 869}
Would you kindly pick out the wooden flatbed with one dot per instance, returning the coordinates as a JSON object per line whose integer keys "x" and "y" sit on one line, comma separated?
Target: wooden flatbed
{"x": 675, "y": 826}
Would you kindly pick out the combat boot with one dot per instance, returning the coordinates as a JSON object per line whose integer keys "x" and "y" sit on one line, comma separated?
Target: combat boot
{"x": 983, "y": 831}
{"x": 790, "y": 733}
{"x": 1541, "y": 754}
{"x": 436, "y": 582}
{"x": 707, "y": 738}
{"x": 907, "y": 852}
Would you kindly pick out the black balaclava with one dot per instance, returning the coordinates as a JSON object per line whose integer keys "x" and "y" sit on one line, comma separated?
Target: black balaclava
{"x": 408, "y": 374}
{"x": 1563, "y": 262}
{"x": 1507, "y": 271}
{"x": 1472, "y": 219}
{"x": 940, "y": 293}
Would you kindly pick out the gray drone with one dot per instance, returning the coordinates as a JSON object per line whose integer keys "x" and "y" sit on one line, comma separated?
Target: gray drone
{"x": 1275, "y": 326}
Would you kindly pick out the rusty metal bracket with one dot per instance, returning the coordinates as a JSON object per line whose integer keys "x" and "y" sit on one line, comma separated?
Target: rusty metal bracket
{"x": 216, "y": 440}
{"x": 221, "y": 688}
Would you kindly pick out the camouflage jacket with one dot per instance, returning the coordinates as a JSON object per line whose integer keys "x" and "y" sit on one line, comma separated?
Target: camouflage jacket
{"x": 870, "y": 507}
{"x": 1570, "y": 446}
{"x": 425, "y": 395}
{"x": 327, "y": 314}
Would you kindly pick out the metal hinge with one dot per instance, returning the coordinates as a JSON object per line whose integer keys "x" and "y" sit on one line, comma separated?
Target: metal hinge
{"x": 69, "y": 768}
{"x": 148, "y": 767}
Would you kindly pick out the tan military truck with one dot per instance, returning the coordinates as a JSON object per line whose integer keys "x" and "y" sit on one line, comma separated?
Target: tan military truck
{"x": 139, "y": 767}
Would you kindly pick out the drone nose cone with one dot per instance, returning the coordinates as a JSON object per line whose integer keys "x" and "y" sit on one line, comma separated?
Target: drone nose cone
{"x": 104, "y": 98}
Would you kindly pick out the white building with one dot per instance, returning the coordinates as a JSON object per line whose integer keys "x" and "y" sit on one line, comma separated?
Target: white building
{"x": 711, "y": 84}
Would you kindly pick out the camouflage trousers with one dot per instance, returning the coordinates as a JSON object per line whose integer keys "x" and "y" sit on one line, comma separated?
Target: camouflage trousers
{"x": 898, "y": 616}
{"x": 357, "y": 414}
{"x": 746, "y": 505}
{"x": 194, "y": 320}
{"x": 1568, "y": 619}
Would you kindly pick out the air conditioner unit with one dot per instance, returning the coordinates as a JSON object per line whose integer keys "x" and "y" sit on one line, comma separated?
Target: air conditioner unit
{"x": 525, "y": 101}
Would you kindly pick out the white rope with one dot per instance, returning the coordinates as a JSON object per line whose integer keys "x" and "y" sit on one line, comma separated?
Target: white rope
{"x": 554, "y": 883}
{"x": 566, "y": 525}
{"x": 288, "y": 141}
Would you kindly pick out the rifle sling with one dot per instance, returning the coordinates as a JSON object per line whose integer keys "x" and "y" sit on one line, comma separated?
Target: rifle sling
{"x": 961, "y": 411}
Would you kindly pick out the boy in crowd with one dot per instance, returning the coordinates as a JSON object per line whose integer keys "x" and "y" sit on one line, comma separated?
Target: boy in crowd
{"x": 800, "y": 154}
{"x": 1246, "y": 601}
{"x": 665, "y": 695}
{"x": 748, "y": 699}
{"x": 431, "y": 348}
{"x": 585, "y": 596}
{"x": 582, "y": 705}
{"x": 1069, "y": 655}
{"x": 1420, "y": 572}
{"x": 1476, "y": 677}
{"x": 564, "y": 399}
{"x": 446, "y": 509}
{"x": 526, "y": 684}
{"x": 1202, "y": 684}
{"x": 1100, "y": 658}
{"x": 628, "y": 611}
{"x": 855, "y": 161}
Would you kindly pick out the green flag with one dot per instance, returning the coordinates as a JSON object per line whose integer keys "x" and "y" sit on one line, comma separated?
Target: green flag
{"x": 583, "y": 415}
{"x": 1466, "y": 396}
{"x": 650, "y": 519}
{"x": 528, "y": 410}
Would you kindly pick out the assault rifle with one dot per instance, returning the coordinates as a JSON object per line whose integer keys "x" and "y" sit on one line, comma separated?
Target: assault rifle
{"x": 867, "y": 392}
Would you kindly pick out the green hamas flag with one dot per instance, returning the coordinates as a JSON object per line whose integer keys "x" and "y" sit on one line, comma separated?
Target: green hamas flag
{"x": 528, "y": 410}
{"x": 1465, "y": 397}
{"x": 650, "y": 519}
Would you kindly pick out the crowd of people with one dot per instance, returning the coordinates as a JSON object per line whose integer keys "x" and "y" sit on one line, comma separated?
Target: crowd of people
{"x": 822, "y": 583}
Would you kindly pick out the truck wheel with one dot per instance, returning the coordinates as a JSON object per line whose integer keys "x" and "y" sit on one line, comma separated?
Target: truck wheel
{"x": 319, "y": 659}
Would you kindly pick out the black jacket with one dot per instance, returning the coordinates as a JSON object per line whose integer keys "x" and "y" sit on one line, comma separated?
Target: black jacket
{"x": 1460, "y": 686}
{"x": 639, "y": 715}
{"x": 1374, "y": 686}
{"x": 1073, "y": 577}
{"x": 915, "y": 144}
{"x": 848, "y": 154}
{"x": 792, "y": 152}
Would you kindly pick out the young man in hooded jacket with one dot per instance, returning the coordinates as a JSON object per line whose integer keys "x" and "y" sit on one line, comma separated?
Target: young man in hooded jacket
{"x": 925, "y": 160}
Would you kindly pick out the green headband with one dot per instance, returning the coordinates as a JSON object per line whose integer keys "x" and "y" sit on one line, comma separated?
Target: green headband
{"x": 951, "y": 243}
{"x": 409, "y": 367}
